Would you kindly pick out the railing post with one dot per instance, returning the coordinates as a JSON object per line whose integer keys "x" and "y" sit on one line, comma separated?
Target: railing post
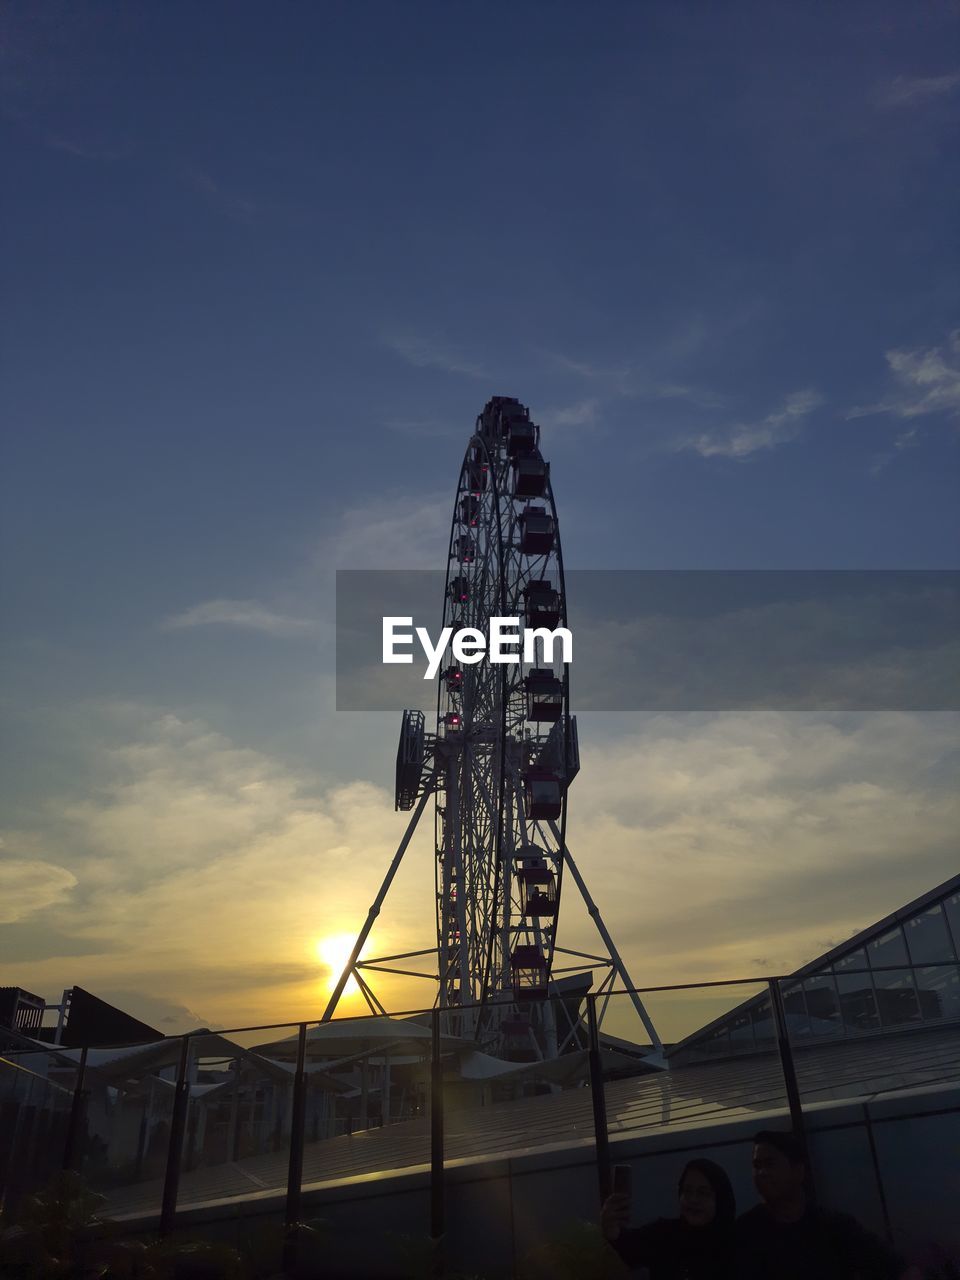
{"x": 789, "y": 1071}
{"x": 178, "y": 1123}
{"x": 436, "y": 1142}
{"x": 291, "y": 1218}
{"x": 70, "y": 1159}
{"x": 599, "y": 1099}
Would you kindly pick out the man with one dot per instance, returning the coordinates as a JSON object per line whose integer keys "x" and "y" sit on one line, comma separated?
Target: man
{"x": 786, "y": 1237}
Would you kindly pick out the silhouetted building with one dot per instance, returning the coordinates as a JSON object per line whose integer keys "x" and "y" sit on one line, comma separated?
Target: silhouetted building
{"x": 86, "y": 1020}
{"x": 21, "y": 1010}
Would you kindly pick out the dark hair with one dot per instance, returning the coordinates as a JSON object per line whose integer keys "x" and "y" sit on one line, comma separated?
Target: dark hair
{"x": 787, "y": 1143}
{"x": 722, "y": 1190}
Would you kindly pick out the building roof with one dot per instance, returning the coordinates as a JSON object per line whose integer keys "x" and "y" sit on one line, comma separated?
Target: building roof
{"x": 823, "y": 963}
{"x": 883, "y": 926}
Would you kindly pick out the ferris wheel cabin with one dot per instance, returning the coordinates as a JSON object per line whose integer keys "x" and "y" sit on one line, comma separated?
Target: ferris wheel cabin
{"x": 539, "y": 888}
{"x": 464, "y": 548}
{"x": 537, "y": 531}
{"x": 541, "y": 604}
{"x": 495, "y": 408}
{"x": 529, "y": 476}
{"x": 459, "y": 590}
{"x": 542, "y": 795}
{"x": 544, "y": 695}
{"x": 522, "y": 436}
{"x": 529, "y": 970}
{"x": 469, "y": 509}
{"x": 477, "y": 473}
{"x": 453, "y": 678}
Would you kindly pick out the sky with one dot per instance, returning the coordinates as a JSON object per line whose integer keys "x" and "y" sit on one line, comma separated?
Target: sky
{"x": 261, "y": 269}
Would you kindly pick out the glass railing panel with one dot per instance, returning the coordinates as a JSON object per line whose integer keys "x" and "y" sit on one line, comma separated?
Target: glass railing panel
{"x": 367, "y": 1090}
{"x": 366, "y": 1111}
{"x": 36, "y": 1097}
{"x": 514, "y": 1077}
{"x": 128, "y": 1112}
{"x": 893, "y": 1028}
{"x": 717, "y": 1060}
{"x": 513, "y": 1089}
{"x": 239, "y": 1117}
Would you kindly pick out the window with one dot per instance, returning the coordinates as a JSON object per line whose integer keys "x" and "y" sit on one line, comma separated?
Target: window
{"x": 896, "y": 997}
{"x": 856, "y": 960}
{"x": 762, "y": 1018}
{"x": 939, "y": 991}
{"x": 888, "y": 949}
{"x": 951, "y": 907}
{"x": 741, "y": 1032}
{"x": 857, "y": 1004}
{"x": 927, "y": 937}
{"x": 822, "y": 1006}
{"x": 716, "y": 1045}
{"x": 795, "y": 1008}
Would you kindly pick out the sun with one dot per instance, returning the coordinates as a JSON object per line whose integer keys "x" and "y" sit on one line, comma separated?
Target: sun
{"x": 334, "y": 952}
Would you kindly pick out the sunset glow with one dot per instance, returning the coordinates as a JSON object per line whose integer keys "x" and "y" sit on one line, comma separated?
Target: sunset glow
{"x": 334, "y": 952}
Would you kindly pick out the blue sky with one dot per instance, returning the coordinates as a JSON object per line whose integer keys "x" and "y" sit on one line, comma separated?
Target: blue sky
{"x": 261, "y": 269}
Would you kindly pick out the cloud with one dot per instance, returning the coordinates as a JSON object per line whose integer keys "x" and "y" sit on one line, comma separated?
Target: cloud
{"x": 87, "y": 149}
{"x": 29, "y": 885}
{"x": 236, "y": 207}
{"x": 761, "y": 834}
{"x": 590, "y": 370}
{"x": 207, "y": 871}
{"x": 427, "y": 353}
{"x": 799, "y": 641}
{"x": 581, "y": 414}
{"x": 408, "y": 531}
{"x": 928, "y": 382}
{"x": 165, "y": 1015}
{"x": 905, "y": 440}
{"x": 28, "y": 940}
{"x": 633, "y": 382}
{"x": 697, "y": 396}
{"x": 399, "y": 531}
{"x": 746, "y": 438}
{"x": 424, "y": 428}
{"x": 907, "y": 91}
{"x": 248, "y": 615}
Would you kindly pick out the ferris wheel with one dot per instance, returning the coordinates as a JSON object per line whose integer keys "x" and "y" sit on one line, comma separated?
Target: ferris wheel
{"x": 499, "y": 763}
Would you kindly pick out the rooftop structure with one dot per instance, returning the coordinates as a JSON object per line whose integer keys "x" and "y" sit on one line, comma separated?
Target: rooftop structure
{"x": 902, "y": 972}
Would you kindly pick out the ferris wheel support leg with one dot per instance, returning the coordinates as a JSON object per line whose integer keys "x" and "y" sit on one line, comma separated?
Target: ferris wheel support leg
{"x": 374, "y": 911}
{"x": 456, "y": 859}
{"x": 618, "y": 964}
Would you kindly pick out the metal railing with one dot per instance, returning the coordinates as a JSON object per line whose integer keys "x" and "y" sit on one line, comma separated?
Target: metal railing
{"x": 267, "y": 1091}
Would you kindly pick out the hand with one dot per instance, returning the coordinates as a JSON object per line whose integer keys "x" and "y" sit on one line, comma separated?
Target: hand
{"x": 614, "y": 1215}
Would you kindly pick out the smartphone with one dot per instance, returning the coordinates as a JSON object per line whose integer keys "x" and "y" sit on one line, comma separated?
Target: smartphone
{"x": 622, "y": 1180}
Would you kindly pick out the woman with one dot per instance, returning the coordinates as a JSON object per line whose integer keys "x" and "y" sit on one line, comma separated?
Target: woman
{"x": 696, "y": 1246}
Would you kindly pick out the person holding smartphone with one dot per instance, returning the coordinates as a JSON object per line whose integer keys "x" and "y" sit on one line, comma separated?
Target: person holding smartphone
{"x": 697, "y": 1245}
